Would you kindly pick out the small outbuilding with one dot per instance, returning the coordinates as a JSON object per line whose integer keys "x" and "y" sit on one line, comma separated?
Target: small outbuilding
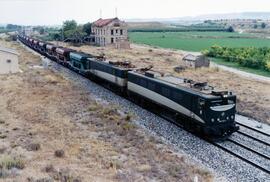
{"x": 9, "y": 61}
{"x": 196, "y": 60}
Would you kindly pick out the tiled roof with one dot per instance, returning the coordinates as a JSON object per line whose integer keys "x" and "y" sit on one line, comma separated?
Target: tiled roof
{"x": 103, "y": 22}
{"x": 190, "y": 57}
{"x": 11, "y": 51}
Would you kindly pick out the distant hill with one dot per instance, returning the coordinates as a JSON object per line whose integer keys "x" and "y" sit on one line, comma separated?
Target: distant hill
{"x": 200, "y": 18}
{"x": 244, "y": 15}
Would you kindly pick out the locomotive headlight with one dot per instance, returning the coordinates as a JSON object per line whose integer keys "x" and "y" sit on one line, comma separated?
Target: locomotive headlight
{"x": 232, "y": 116}
{"x": 218, "y": 119}
{"x": 212, "y": 120}
{"x": 227, "y": 118}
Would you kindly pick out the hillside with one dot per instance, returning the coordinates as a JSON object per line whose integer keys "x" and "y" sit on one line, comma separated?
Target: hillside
{"x": 201, "y": 18}
{"x": 146, "y": 25}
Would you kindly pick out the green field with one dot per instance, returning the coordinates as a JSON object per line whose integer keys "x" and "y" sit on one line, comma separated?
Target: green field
{"x": 197, "y": 41}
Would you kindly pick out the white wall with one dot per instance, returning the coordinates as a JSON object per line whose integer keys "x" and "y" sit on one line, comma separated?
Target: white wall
{"x": 6, "y": 67}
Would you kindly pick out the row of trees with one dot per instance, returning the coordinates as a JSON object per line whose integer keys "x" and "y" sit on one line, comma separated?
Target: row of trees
{"x": 198, "y": 28}
{"x": 262, "y": 25}
{"x": 252, "y": 57}
{"x": 13, "y": 27}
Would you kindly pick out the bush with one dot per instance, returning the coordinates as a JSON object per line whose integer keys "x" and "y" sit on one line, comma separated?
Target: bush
{"x": 267, "y": 66}
{"x": 7, "y": 162}
{"x": 249, "y": 57}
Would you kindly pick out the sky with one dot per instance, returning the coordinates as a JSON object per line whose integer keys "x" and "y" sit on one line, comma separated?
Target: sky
{"x": 54, "y": 12}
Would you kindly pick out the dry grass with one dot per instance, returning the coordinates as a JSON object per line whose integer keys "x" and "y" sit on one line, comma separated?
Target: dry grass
{"x": 97, "y": 141}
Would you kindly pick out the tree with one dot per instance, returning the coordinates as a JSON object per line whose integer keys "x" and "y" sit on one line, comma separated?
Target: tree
{"x": 87, "y": 28}
{"x": 56, "y": 36}
{"x": 69, "y": 27}
{"x": 230, "y": 29}
{"x": 13, "y": 27}
{"x": 263, "y": 25}
{"x": 42, "y": 31}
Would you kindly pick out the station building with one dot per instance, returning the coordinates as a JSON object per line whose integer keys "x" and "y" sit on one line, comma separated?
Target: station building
{"x": 111, "y": 32}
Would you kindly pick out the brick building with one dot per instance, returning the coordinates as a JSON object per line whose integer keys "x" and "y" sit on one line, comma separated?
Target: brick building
{"x": 110, "y": 32}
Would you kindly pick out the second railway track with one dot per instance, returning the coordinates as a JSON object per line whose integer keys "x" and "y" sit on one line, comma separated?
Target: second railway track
{"x": 236, "y": 153}
{"x": 251, "y": 148}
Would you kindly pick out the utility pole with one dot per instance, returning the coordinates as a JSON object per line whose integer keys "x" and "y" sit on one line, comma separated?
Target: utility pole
{"x": 62, "y": 32}
{"x": 100, "y": 13}
{"x": 116, "y": 12}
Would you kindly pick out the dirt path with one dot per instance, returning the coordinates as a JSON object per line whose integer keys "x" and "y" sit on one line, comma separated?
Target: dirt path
{"x": 242, "y": 73}
{"x": 51, "y": 130}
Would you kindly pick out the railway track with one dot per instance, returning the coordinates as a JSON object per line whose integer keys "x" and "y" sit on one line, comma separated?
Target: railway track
{"x": 258, "y": 159}
{"x": 254, "y": 138}
{"x": 253, "y": 129}
{"x": 246, "y": 159}
{"x": 247, "y": 148}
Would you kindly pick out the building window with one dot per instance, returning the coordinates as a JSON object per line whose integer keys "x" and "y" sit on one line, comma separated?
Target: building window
{"x": 116, "y": 31}
{"x": 112, "y": 40}
{"x": 121, "y": 32}
{"x": 8, "y": 61}
{"x": 111, "y": 32}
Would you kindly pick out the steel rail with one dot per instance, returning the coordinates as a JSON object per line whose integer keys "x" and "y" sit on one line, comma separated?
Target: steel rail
{"x": 241, "y": 157}
{"x": 249, "y": 149}
{"x": 253, "y": 138}
{"x": 256, "y": 130}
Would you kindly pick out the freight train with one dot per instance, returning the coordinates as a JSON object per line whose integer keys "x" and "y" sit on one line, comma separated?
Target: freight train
{"x": 197, "y": 107}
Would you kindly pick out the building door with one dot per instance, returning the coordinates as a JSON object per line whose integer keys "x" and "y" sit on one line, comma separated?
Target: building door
{"x": 112, "y": 40}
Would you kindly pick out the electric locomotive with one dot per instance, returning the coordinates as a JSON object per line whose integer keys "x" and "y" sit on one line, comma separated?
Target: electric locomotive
{"x": 195, "y": 106}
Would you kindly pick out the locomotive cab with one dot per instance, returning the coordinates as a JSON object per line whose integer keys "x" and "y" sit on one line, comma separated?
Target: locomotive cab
{"x": 219, "y": 116}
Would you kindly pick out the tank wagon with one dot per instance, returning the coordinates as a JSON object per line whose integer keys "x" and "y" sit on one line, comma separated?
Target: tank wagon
{"x": 197, "y": 107}
{"x": 42, "y": 48}
{"x": 51, "y": 51}
{"x": 35, "y": 45}
{"x": 63, "y": 56}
